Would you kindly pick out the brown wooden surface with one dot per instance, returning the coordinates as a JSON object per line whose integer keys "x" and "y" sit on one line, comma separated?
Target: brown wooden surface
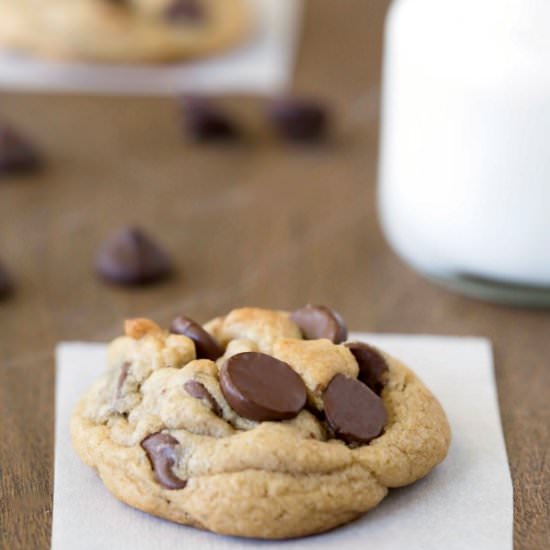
{"x": 254, "y": 224}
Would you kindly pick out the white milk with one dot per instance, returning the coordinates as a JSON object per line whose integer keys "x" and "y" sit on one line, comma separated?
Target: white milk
{"x": 465, "y": 150}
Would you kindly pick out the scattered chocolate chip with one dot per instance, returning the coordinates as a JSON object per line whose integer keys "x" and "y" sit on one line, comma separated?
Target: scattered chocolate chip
{"x": 203, "y": 121}
{"x": 317, "y": 322}
{"x": 6, "y": 284}
{"x": 130, "y": 257}
{"x": 122, "y": 378}
{"x": 260, "y": 387}
{"x": 298, "y": 120}
{"x": 372, "y": 365}
{"x": 185, "y": 11}
{"x": 17, "y": 155}
{"x": 206, "y": 346}
{"x": 353, "y": 410}
{"x": 160, "y": 449}
{"x": 199, "y": 391}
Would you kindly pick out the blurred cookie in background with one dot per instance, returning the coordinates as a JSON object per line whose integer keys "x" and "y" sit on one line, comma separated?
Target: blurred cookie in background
{"x": 124, "y": 30}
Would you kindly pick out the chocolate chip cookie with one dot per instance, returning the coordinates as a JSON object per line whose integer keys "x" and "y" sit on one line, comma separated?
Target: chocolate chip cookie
{"x": 123, "y": 30}
{"x": 258, "y": 424}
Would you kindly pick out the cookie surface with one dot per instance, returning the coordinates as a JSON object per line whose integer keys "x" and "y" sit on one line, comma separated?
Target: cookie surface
{"x": 123, "y": 30}
{"x": 164, "y": 439}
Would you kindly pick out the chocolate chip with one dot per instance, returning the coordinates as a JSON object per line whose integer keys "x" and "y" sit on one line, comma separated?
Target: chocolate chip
{"x": 260, "y": 387}
{"x": 317, "y": 322}
{"x": 185, "y": 11}
{"x": 122, "y": 378}
{"x": 6, "y": 284}
{"x": 130, "y": 257}
{"x": 204, "y": 122}
{"x": 298, "y": 120}
{"x": 206, "y": 347}
{"x": 160, "y": 449}
{"x": 199, "y": 391}
{"x": 353, "y": 410}
{"x": 372, "y": 365}
{"x": 17, "y": 155}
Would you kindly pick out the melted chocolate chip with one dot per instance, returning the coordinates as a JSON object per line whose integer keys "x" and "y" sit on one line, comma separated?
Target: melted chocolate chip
{"x": 199, "y": 391}
{"x": 6, "y": 284}
{"x": 122, "y": 378}
{"x": 185, "y": 11}
{"x": 160, "y": 450}
{"x": 130, "y": 257}
{"x": 372, "y": 365}
{"x": 317, "y": 322}
{"x": 298, "y": 120}
{"x": 206, "y": 346}
{"x": 203, "y": 121}
{"x": 353, "y": 410}
{"x": 17, "y": 155}
{"x": 260, "y": 387}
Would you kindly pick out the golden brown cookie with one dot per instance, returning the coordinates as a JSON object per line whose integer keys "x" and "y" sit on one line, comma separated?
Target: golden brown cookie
{"x": 279, "y": 437}
{"x": 123, "y": 30}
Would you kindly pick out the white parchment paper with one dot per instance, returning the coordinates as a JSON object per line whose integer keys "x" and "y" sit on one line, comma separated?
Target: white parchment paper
{"x": 262, "y": 64}
{"x": 464, "y": 504}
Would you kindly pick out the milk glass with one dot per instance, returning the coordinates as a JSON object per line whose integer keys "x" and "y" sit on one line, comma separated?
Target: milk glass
{"x": 464, "y": 190}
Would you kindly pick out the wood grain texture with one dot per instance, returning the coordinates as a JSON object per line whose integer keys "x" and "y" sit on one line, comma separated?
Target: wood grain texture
{"x": 259, "y": 223}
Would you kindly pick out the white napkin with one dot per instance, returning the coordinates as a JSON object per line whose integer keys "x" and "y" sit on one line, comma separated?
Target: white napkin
{"x": 465, "y": 503}
{"x": 263, "y": 64}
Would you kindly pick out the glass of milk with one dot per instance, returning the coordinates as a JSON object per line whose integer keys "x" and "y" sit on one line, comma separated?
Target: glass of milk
{"x": 464, "y": 190}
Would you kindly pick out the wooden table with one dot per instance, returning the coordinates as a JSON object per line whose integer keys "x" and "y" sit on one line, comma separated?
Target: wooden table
{"x": 259, "y": 223}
